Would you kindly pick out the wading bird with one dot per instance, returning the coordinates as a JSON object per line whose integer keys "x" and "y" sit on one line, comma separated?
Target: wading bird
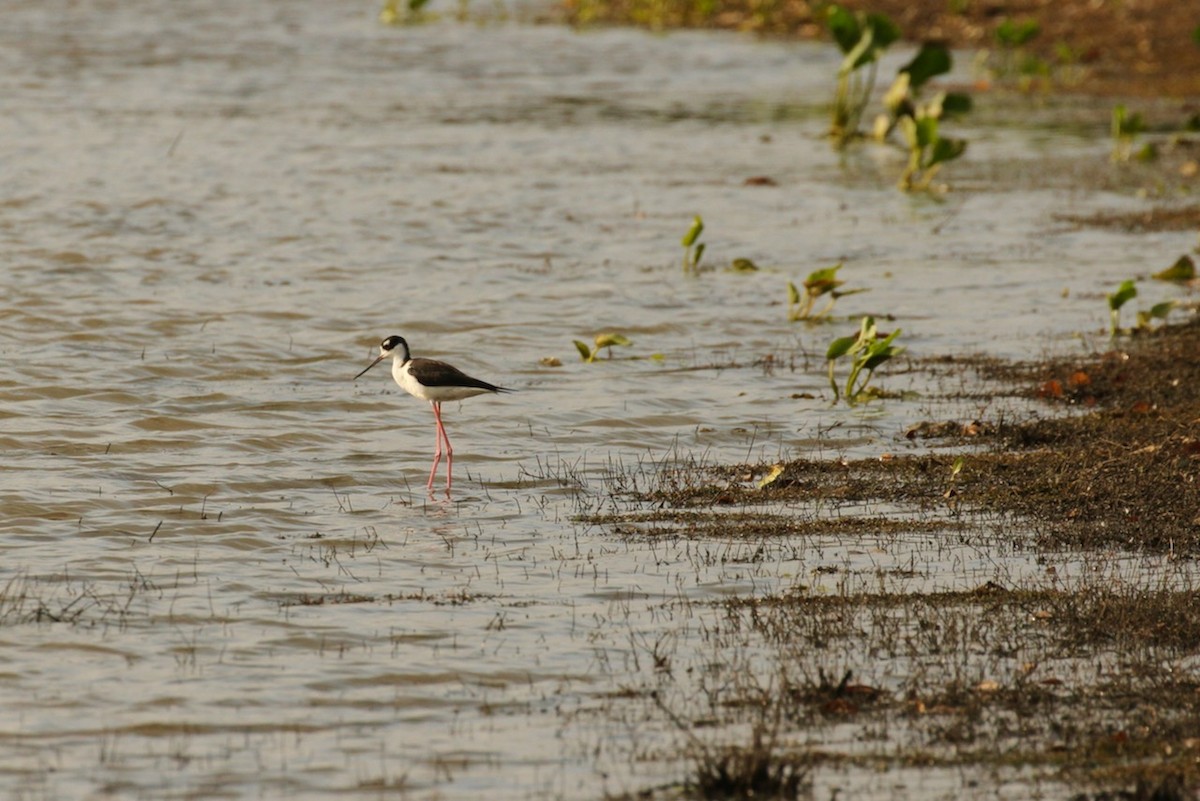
{"x": 434, "y": 381}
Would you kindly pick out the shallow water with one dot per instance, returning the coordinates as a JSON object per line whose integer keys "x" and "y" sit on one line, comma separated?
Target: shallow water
{"x": 224, "y": 576}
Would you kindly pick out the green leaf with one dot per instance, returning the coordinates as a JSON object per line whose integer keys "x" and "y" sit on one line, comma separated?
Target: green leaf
{"x": 956, "y": 468}
{"x": 693, "y": 233}
{"x": 584, "y": 351}
{"x": 841, "y": 293}
{"x": 699, "y": 253}
{"x": 884, "y": 31}
{"x": 1196, "y": 36}
{"x": 843, "y": 26}
{"x": 946, "y": 150}
{"x": 793, "y": 294}
{"x": 1125, "y": 293}
{"x": 1184, "y": 269}
{"x": 1159, "y": 311}
{"x": 608, "y": 340}
{"x": 743, "y": 266}
{"x": 821, "y": 281}
{"x": 840, "y": 347}
{"x": 930, "y": 61}
{"x": 956, "y": 103}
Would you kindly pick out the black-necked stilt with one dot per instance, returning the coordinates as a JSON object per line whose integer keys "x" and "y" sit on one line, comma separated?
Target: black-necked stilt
{"x": 434, "y": 381}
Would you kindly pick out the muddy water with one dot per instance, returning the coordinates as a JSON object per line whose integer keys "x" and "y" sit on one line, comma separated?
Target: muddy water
{"x": 223, "y": 575}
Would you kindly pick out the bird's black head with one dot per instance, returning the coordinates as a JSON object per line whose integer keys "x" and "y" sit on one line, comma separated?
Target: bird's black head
{"x": 392, "y": 346}
{"x": 391, "y": 343}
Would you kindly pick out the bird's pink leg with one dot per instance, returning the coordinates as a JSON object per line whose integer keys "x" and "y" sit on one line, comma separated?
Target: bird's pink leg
{"x": 437, "y": 435}
{"x": 449, "y": 455}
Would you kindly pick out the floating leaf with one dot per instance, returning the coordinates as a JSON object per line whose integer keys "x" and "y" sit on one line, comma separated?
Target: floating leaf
{"x": 1184, "y": 269}
{"x": 743, "y": 266}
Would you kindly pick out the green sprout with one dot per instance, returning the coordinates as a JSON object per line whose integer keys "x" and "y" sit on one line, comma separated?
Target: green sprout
{"x": 1125, "y": 293}
{"x": 868, "y": 349}
{"x": 1125, "y": 128}
{"x": 819, "y": 282}
{"x": 693, "y": 250}
{"x": 861, "y": 38}
{"x": 589, "y": 354}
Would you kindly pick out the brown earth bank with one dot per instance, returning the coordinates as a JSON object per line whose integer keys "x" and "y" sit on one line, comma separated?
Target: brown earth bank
{"x": 1112, "y": 463}
{"x": 1135, "y": 48}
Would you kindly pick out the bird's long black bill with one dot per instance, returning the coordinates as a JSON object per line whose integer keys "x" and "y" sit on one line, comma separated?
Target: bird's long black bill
{"x": 369, "y": 366}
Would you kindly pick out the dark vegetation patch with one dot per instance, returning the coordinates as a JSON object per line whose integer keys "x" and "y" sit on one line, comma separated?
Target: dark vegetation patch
{"x": 1109, "y": 48}
{"x": 684, "y": 524}
{"x": 1158, "y": 218}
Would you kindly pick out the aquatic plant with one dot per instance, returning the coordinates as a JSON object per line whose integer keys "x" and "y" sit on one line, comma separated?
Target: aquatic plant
{"x": 693, "y": 250}
{"x": 1184, "y": 269}
{"x": 1123, "y": 294}
{"x": 861, "y": 38}
{"x": 902, "y": 98}
{"x": 1125, "y": 128}
{"x": 1012, "y": 36}
{"x": 928, "y": 150}
{"x": 818, "y": 283}
{"x": 589, "y": 354}
{"x": 919, "y": 120}
{"x": 868, "y": 349}
{"x": 1159, "y": 311}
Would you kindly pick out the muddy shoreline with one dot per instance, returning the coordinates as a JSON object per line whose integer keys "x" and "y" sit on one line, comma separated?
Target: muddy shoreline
{"x": 1147, "y": 49}
{"x": 1081, "y": 685}
{"x": 1076, "y": 679}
